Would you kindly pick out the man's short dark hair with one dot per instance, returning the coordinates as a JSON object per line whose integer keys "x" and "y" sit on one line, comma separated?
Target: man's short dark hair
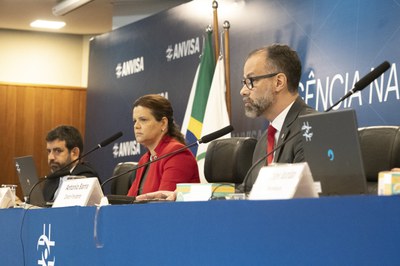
{"x": 284, "y": 59}
{"x": 69, "y": 134}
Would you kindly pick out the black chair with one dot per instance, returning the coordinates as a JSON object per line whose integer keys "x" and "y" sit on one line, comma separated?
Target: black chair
{"x": 228, "y": 160}
{"x": 380, "y": 147}
{"x": 121, "y": 184}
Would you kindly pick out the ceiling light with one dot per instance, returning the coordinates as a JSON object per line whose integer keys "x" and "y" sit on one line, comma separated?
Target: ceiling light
{"x": 47, "y": 24}
{"x": 66, "y": 6}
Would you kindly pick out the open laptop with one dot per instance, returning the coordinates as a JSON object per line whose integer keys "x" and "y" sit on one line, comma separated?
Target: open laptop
{"x": 332, "y": 150}
{"x": 28, "y": 178}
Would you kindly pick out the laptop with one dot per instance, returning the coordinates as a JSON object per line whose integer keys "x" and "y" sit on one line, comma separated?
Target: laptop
{"x": 332, "y": 151}
{"x": 28, "y": 178}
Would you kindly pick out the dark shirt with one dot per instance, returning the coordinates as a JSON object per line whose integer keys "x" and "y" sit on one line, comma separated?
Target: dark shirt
{"x": 50, "y": 185}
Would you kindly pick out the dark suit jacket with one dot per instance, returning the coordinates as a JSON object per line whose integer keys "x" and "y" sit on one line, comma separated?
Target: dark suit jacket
{"x": 50, "y": 185}
{"x": 290, "y": 152}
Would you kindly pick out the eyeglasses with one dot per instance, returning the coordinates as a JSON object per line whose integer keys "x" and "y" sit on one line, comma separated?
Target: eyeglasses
{"x": 249, "y": 81}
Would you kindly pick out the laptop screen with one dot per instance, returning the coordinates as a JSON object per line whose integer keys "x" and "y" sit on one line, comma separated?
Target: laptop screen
{"x": 26, "y": 170}
{"x": 332, "y": 150}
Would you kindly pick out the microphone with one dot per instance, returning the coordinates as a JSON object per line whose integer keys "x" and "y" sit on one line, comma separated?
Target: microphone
{"x": 371, "y": 76}
{"x": 360, "y": 85}
{"x": 65, "y": 169}
{"x": 365, "y": 81}
{"x": 205, "y": 139}
{"x": 110, "y": 139}
{"x": 61, "y": 172}
{"x": 216, "y": 134}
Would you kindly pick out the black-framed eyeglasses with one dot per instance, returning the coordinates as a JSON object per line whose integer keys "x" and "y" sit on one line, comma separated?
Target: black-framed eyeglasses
{"x": 249, "y": 81}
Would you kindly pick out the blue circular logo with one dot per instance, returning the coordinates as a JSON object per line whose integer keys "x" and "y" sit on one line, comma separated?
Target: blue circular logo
{"x": 331, "y": 154}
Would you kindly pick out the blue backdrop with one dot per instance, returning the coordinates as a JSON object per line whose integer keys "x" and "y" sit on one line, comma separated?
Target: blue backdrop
{"x": 339, "y": 41}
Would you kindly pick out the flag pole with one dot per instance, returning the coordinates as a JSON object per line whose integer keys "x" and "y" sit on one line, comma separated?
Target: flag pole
{"x": 215, "y": 27}
{"x": 227, "y": 68}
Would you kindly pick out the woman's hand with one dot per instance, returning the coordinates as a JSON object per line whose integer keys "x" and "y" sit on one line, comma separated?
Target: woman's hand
{"x": 158, "y": 195}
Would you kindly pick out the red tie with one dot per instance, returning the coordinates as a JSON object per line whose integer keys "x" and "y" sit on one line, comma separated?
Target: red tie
{"x": 271, "y": 142}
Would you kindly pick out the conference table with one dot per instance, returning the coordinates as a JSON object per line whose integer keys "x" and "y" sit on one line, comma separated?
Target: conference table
{"x": 345, "y": 230}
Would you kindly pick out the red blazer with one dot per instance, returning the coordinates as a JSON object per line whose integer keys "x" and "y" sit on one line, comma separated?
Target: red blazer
{"x": 166, "y": 173}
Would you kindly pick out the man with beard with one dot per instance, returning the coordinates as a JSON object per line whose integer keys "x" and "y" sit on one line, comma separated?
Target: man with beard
{"x": 64, "y": 145}
{"x": 270, "y": 89}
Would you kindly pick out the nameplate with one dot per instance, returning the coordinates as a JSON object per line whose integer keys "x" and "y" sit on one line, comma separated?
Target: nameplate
{"x": 284, "y": 181}
{"x": 203, "y": 191}
{"x": 6, "y": 198}
{"x": 79, "y": 192}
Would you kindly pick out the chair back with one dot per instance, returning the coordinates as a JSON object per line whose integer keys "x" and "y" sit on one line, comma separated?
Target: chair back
{"x": 380, "y": 147}
{"x": 229, "y": 159}
{"x": 121, "y": 185}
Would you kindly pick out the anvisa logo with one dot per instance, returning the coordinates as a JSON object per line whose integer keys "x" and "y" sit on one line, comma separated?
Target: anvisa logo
{"x": 307, "y": 133}
{"x": 129, "y": 67}
{"x": 183, "y": 49}
{"x": 127, "y": 148}
{"x": 45, "y": 246}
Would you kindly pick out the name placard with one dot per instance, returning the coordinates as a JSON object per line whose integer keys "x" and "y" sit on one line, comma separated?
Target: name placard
{"x": 284, "y": 181}
{"x": 79, "y": 192}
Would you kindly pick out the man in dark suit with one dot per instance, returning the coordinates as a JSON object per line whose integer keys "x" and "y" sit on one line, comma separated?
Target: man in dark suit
{"x": 64, "y": 145}
{"x": 270, "y": 89}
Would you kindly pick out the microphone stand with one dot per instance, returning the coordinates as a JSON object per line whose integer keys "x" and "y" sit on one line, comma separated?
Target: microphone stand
{"x": 149, "y": 162}
{"x": 364, "y": 82}
{"x": 100, "y": 145}
{"x": 205, "y": 139}
{"x": 61, "y": 172}
{"x": 359, "y": 86}
{"x": 351, "y": 92}
{"x": 265, "y": 157}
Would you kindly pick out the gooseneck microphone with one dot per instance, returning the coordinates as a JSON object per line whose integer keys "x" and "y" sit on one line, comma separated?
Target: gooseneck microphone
{"x": 109, "y": 140}
{"x": 364, "y": 82}
{"x": 205, "y": 139}
{"x": 360, "y": 85}
{"x": 65, "y": 170}
{"x": 216, "y": 134}
{"x": 263, "y": 158}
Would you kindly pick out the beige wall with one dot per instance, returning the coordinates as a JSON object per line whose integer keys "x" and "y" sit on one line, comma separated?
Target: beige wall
{"x": 43, "y": 58}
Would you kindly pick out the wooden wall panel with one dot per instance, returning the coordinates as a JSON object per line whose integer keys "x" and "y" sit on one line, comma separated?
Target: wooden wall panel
{"x": 27, "y": 113}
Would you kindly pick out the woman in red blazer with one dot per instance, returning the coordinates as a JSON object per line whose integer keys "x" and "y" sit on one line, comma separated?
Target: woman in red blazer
{"x": 155, "y": 129}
